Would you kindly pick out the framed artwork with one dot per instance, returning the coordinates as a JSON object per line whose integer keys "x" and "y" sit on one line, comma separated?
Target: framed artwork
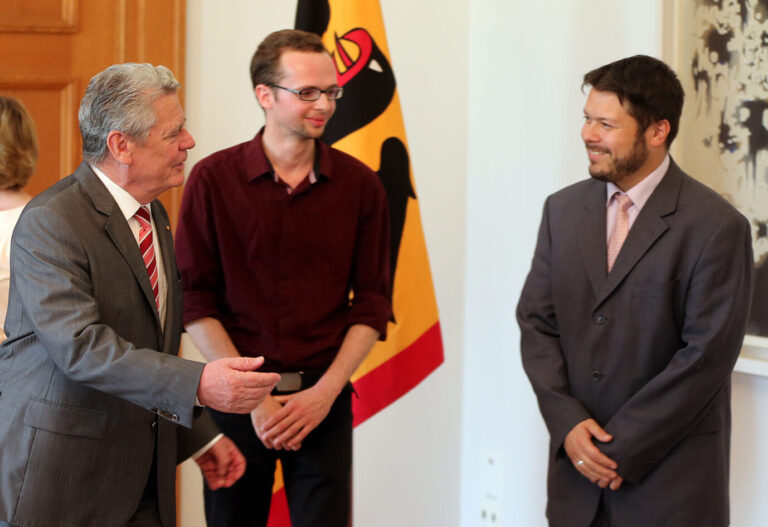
{"x": 719, "y": 49}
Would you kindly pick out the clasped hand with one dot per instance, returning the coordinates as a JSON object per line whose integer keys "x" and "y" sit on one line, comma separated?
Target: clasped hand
{"x": 283, "y": 421}
{"x": 588, "y": 459}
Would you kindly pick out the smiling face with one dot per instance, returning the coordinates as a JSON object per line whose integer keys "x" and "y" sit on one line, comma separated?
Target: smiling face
{"x": 285, "y": 111}
{"x": 157, "y": 164}
{"x": 618, "y": 152}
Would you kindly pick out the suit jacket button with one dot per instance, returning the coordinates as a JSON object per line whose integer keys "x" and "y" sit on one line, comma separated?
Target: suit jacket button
{"x": 153, "y": 426}
{"x": 600, "y": 320}
{"x": 597, "y": 375}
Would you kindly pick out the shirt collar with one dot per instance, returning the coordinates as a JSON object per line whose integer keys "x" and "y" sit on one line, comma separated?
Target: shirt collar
{"x": 258, "y": 165}
{"x": 640, "y": 193}
{"x": 127, "y": 203}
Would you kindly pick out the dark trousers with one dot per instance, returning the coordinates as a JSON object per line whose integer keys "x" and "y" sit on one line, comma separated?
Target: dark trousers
{"x": 317, "y": 476}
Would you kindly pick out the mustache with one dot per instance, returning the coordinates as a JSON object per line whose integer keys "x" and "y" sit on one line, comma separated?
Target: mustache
{"x": 592, "y": 146}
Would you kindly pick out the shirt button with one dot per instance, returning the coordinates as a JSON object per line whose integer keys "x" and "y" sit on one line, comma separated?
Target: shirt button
{"x": 597, "y": 375}
{"x": 600, "y": 320}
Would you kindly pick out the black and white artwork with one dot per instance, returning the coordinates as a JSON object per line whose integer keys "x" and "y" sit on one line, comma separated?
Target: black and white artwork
{"x": 722, "y": 49}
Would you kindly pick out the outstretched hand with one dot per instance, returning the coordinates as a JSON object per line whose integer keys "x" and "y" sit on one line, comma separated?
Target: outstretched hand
{"x": 230, "y": 385}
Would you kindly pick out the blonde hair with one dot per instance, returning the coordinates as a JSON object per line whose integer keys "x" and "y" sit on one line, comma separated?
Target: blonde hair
{"x": 18, "y": 144}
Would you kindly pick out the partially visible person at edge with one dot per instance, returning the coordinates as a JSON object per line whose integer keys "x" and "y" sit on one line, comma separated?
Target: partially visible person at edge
{"x": 96, "y": 408}
{"x": 273, "y": 236}
{"x": 18, "y": 159}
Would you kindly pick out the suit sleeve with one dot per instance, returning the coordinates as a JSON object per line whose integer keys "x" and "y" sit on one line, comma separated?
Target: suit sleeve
{"x": 51, "y": 267}
{"x": 540, "y": 346}
{"x": 670, "y": 406}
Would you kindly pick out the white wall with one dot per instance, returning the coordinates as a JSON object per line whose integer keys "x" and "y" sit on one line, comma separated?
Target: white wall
{"x": 749, "y": 455}
{"x": 406, "y": 468}
{"x": 406, "y": 457}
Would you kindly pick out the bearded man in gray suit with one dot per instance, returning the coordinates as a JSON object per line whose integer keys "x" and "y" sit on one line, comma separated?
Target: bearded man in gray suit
{"x": 632, "y": 318}
{"x": 96, "y": 408}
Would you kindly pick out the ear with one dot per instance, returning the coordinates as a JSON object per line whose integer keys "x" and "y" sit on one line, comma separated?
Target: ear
{"x": 265, "y": 96}
{"x": 657, "y": 133}
{"x": 120, "y": 147}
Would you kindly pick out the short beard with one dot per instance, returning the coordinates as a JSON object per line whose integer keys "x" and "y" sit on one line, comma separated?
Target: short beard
{"x": 621, "y": 168}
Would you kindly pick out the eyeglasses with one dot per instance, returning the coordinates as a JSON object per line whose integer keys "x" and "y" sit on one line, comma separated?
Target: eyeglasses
{"x": 313, "y": 94}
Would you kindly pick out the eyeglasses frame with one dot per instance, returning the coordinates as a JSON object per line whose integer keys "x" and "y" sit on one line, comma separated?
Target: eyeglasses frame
{"x": 320, "y": 92}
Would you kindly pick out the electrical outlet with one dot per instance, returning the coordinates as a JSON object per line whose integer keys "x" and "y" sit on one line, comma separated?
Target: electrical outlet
{"x": 492, "y": 490}
{"x": 490, "y": 514}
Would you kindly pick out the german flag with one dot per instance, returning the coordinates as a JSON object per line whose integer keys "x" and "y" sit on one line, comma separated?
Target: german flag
{"x": 368, "y": 124}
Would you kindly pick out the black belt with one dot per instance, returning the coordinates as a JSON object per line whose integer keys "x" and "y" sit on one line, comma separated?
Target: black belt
{"x": 294, "y": 381}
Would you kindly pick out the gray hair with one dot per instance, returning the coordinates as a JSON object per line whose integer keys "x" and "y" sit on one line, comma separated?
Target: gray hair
{"x": 120, "y": 98}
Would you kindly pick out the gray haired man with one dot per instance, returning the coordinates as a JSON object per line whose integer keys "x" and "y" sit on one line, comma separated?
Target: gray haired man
{"x": 96, "y": 408}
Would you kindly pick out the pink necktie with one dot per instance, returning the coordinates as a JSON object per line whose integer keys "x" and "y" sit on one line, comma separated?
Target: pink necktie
{"x": 147, "y": 248}
{"x": 620, "y": 230}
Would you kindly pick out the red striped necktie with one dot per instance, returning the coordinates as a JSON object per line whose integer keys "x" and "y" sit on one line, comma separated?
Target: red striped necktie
{"x": 147, "y": 248}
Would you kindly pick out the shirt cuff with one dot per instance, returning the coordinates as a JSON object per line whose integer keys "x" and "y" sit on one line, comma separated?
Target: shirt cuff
{"x": 207, "y": 446}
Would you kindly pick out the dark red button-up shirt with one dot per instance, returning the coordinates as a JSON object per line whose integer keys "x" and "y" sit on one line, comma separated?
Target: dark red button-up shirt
{"x": 277, "y": 268}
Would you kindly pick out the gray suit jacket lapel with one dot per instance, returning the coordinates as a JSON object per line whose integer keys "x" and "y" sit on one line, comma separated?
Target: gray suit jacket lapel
{"x": 165, "y": 239}
{"x": 120, "y": 233}
{"x": 646, "y": 229}
{"x": 592, "y": 236}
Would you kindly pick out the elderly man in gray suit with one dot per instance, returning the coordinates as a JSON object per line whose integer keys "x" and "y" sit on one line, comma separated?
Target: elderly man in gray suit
{"x": 96, "y": 408}
{"x": 632, "y": 318}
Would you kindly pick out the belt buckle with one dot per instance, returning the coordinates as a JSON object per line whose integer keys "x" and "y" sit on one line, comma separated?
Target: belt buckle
{"x": 289, "y": 382}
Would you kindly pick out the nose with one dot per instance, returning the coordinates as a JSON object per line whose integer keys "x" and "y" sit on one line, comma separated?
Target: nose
{"x": 187, "y": 141}
{"x": 324, "y": 103}
{"x": 588, "y": 134}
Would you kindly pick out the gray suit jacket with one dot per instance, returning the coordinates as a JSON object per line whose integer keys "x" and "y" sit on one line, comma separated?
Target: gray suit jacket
{"x": 89, "y": 383}
{"x": 647, "y": 350}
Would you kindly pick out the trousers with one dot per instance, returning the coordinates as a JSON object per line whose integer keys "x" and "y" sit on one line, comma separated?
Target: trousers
{"x": 317, "y": 477}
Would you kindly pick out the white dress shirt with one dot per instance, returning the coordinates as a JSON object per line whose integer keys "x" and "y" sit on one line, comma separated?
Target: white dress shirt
{"x": 128, "y": 206}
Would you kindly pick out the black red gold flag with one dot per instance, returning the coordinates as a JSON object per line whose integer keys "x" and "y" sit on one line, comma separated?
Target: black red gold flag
{"x": 368, "y": 124}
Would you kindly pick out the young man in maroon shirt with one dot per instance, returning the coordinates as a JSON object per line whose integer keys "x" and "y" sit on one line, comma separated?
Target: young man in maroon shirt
{"x": 274, "y": 234}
